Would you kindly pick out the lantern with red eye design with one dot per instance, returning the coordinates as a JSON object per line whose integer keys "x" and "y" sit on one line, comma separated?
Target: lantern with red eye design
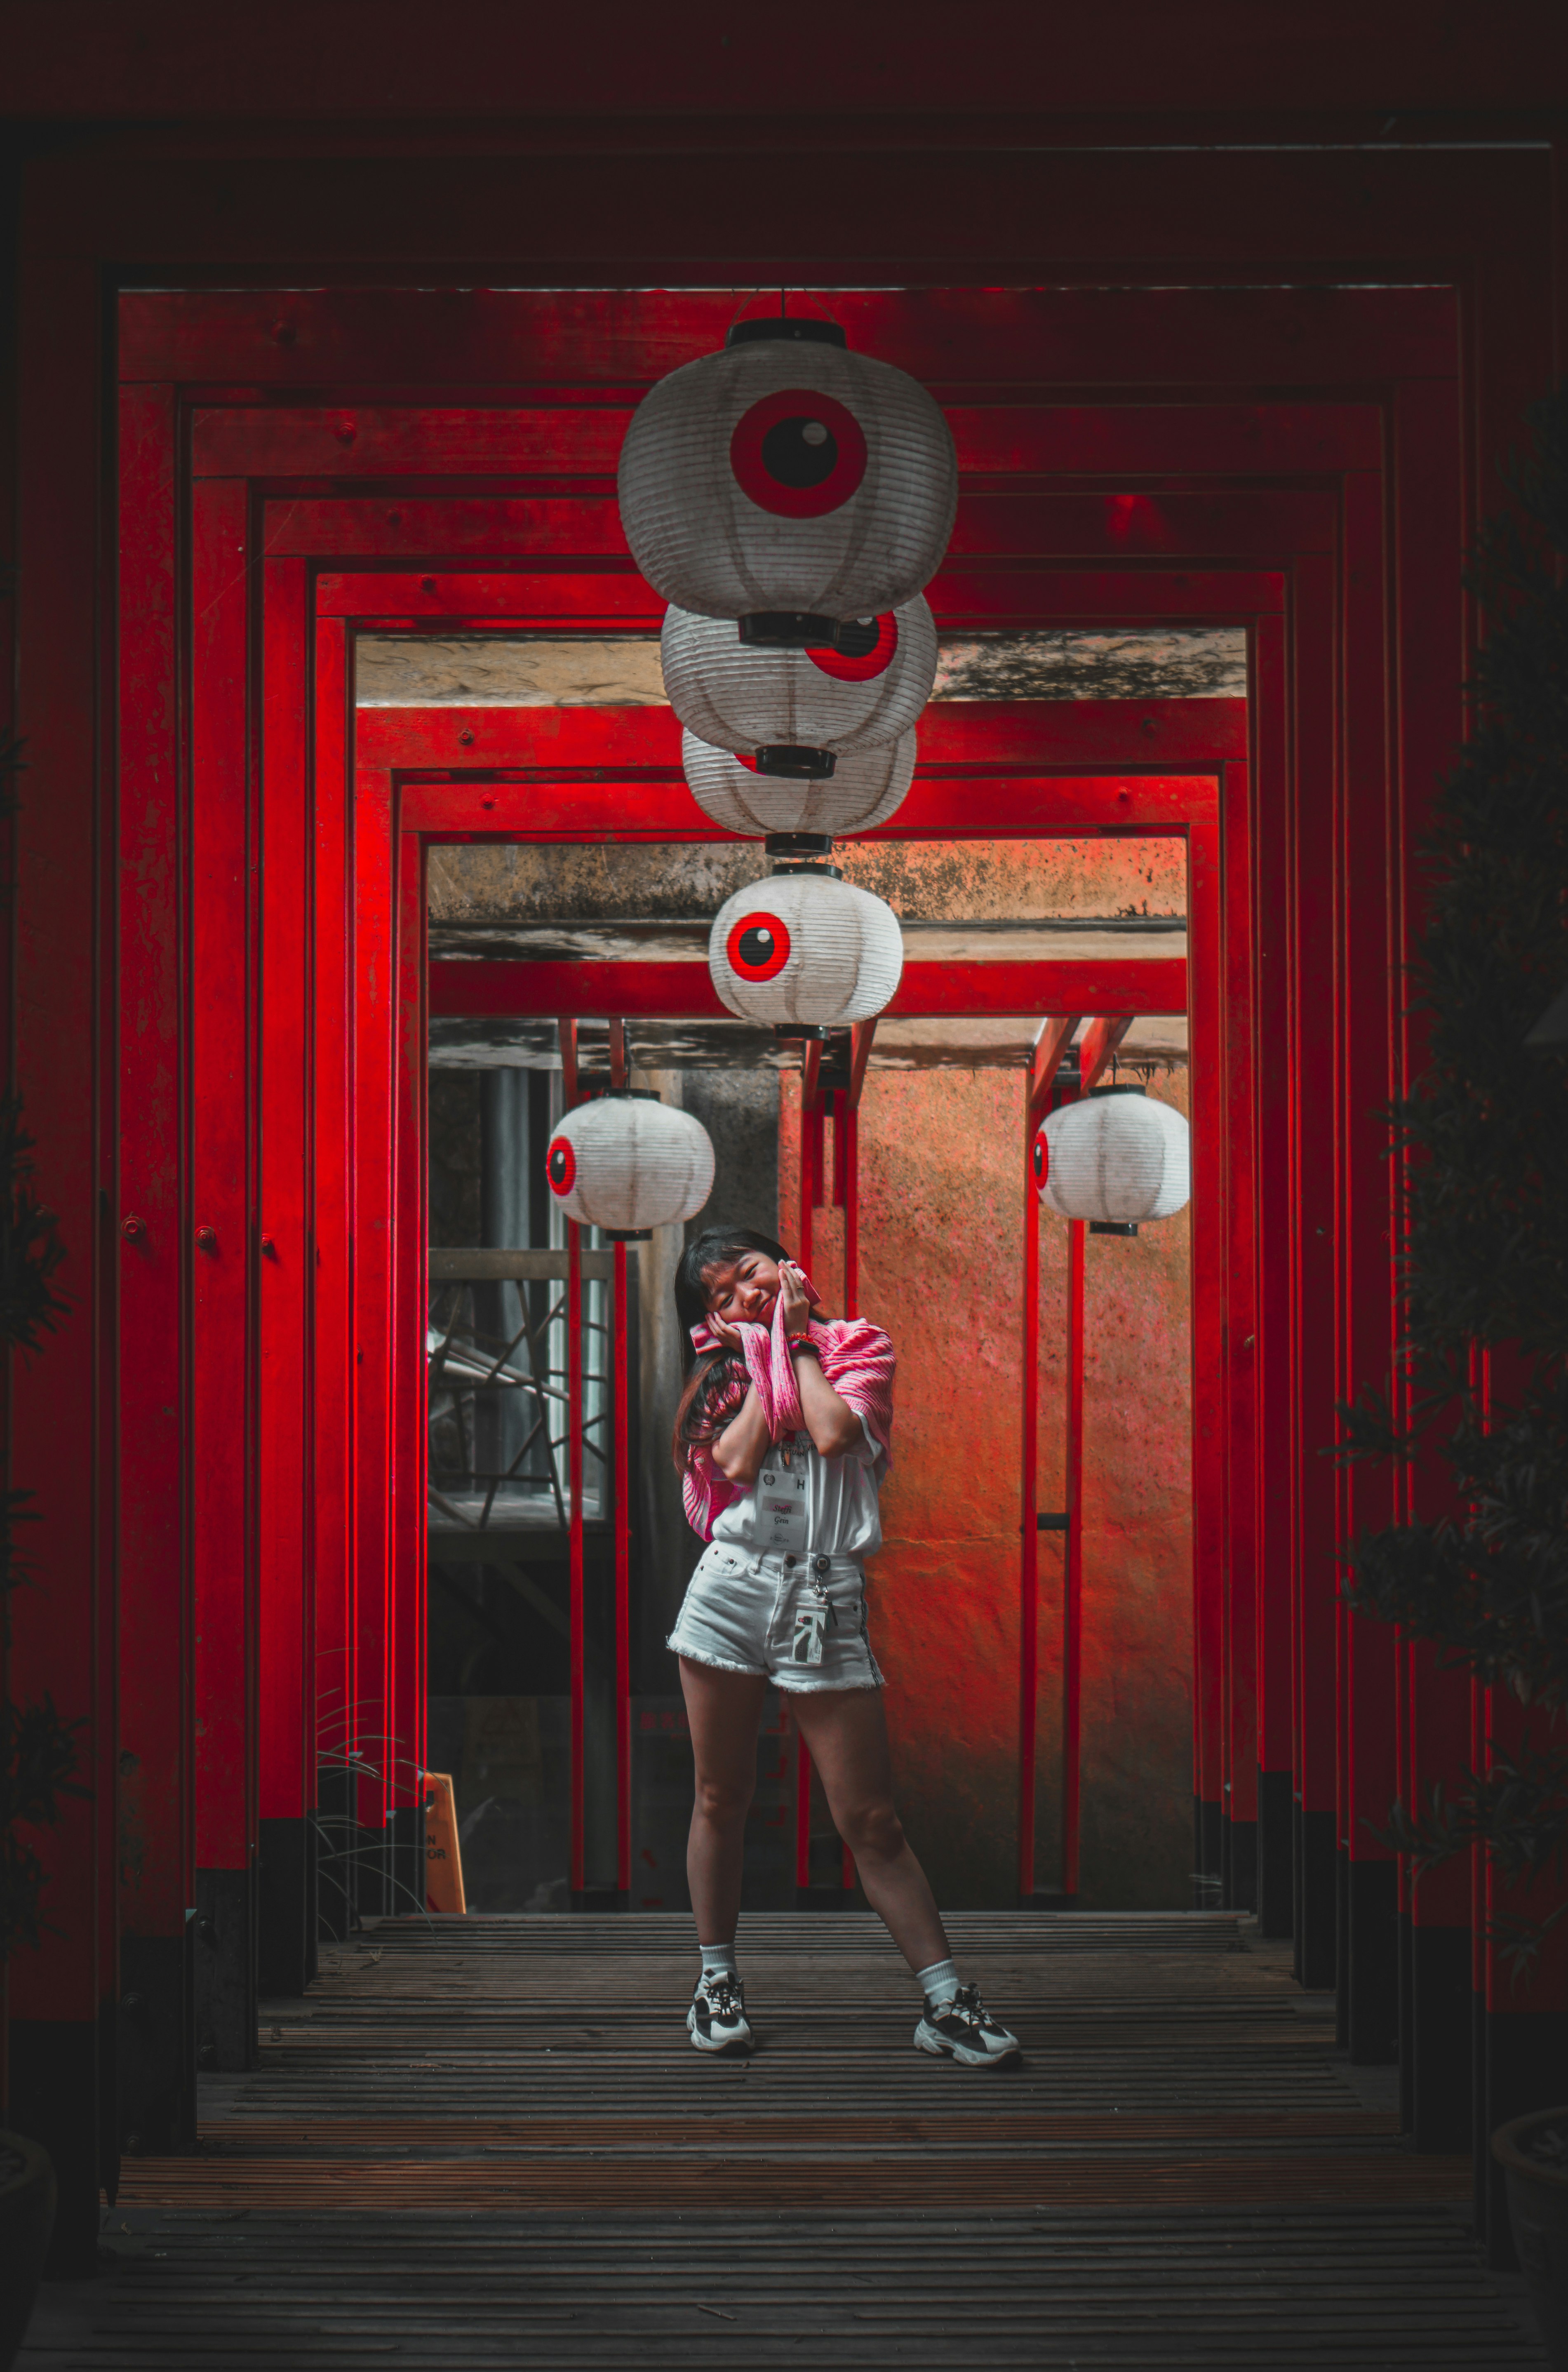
{"x": 736, "y": 697}
{"x": 757, "y": 946}
{"x": 847, "y": 663}
{"x": 1040, "y": 1161}
{"x": 797, "y": 453}
{"x": 625, "y": 1162}
{"x": 865, "y": 787}
{"x": 805, "y": 946}
{"x": 786, "y": 475}
{"x": 561, "y": 1166}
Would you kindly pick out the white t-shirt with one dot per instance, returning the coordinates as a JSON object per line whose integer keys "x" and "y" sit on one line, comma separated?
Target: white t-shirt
{"x": 804, "y": 1505}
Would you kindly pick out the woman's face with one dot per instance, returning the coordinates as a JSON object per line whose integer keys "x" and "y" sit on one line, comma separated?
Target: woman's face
{"x": 742, "y": 1292}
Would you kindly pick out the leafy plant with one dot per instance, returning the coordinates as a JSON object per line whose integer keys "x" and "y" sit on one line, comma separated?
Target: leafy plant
{"x": 1484, "y": 1253}
{"x": 38, "y": 1747}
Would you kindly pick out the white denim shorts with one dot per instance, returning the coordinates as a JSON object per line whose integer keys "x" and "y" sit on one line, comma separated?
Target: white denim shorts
{"x": 745, "y": 1611}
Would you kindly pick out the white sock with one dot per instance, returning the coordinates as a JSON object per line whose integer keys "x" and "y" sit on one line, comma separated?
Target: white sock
{"x": 939, "y": 1982}
{"x": 719, "y": 1959}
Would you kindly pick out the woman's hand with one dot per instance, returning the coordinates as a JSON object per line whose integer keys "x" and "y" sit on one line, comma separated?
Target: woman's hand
{"x": 726, "y": 1334}
{"x": 797, "y": 1302}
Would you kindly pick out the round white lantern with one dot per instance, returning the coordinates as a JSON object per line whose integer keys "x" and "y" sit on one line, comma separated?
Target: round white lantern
{"x": 805, "y": 946}
{"x": 865, "y": 788}
{"x": 786, "y": 474}
{"x": 626, "y": 1161}
{"x": 739, "y": 697}
{"x": 1118, "y": 1157}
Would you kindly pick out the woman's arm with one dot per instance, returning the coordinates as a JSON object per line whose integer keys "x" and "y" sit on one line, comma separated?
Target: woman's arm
{"x": 740, "y": 1448}
{"x": 833, "y": 1425}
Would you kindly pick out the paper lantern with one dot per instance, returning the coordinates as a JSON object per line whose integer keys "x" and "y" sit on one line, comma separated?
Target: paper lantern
{"x": 865, "y": 788}
{"x": 805, "y": 946}
{"x": 1118, "y": 1157}
{"x": 626, "y": 1161}
{"x": 783, "y": 703}
{"x": 787, "y": 475}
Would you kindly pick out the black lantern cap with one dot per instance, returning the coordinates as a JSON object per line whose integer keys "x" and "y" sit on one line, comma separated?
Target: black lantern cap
{"x": 798, "y": 844}
{"x": 787, "y": 1032}
{"x": 805, "y": 332}
{"x": 791, "y": 761}
{"x": 809, "y": 865}
{"x": 1113, "y": 1226}
{"x": 1121, "y": 1088}
{"x": 807, "y": 630}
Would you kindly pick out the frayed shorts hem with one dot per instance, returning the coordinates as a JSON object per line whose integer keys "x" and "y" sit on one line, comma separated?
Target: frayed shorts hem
{"x": 754, "y": 1672}
{"x": 714, "y": 1663}
{"x": 822, "y": 1688}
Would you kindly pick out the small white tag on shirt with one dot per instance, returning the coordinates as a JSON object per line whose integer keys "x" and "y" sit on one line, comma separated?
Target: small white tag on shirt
{"x": 781, "y": 1498}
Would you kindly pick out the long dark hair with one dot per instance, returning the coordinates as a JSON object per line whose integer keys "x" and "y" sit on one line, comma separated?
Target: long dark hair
{"x": 712, "y": 1375}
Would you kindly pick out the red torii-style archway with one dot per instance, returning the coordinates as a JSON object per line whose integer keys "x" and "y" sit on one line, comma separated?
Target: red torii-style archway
{"x": 1322, "y": 870}
{"x": 969, "y": 797}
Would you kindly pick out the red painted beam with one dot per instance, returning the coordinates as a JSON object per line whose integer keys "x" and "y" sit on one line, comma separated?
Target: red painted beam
{"x": 1050, "y": 1046}
{"x": 684, "y": 992}
{"x": 1102, "y": 1039}
{"x": 1027, "y": 737}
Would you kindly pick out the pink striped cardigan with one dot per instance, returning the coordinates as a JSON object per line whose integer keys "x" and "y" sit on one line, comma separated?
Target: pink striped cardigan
{"x": 857, "y": 1359}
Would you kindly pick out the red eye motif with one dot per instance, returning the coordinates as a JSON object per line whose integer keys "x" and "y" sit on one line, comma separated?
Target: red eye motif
{"x": 561, "y": 1165}
{"x": 880, "y": 637}
{"x": 798, "y": 454}
{"x": 1041, "y": 1158}
{"x": 758, "y": 947}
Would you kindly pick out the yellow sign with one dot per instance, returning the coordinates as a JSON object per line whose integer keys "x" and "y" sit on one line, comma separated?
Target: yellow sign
{"x": 443, "y": 1856}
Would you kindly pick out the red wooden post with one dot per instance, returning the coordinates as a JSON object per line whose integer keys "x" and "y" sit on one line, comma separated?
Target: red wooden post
{"x": 574, "y": 1491}
{"x": 285, "y": 1895}
{"x": 153, "y": 1863}
{"x": 1214, "y": 1639}
{"x": 1028, "y": 1562}
{"x": 1050, "y": 1046}
{"x": 1260, "y": 1803}
{"x": 222, "y": 1221}
{"x": 620, "y": 1358}
{"x": 333, "y": 1374}
{"x": 408, "y": 1623}
{"x": 811, "y": 1195}
{"x": 860, "y": 1038}
{"x": 1073, "y": 1601}
{"x": 622, "y": 1583}
{"x": 63, "y": 1997}
{"x": 376, "y": 1344}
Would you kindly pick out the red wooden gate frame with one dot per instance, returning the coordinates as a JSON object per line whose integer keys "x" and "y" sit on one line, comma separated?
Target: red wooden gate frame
{"x": 439, "y": 597}
{"x": 1356, "y": 672}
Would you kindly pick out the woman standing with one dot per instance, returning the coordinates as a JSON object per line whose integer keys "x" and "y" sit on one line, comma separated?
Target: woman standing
{"x": 782, "y": 1441}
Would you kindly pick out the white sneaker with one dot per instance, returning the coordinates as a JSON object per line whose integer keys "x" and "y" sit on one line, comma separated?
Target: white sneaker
{"x": 962, "y": 2029}
{"x": 716, "y": 2019}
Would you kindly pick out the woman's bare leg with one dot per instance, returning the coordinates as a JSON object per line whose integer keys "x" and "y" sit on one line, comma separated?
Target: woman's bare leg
{"x": 724, "y": 1709}
{"x": 846, "y": 1730}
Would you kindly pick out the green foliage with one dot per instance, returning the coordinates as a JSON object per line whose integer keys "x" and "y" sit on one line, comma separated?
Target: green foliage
{"x": 38, "y": 1747}
{"x": 30, "y": 1251}
{"x": 1484, "y": 1132}
{"x": 37, "y": 1756}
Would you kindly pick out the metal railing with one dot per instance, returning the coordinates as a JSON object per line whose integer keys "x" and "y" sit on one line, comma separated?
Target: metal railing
{"x": 483, "y": 1470}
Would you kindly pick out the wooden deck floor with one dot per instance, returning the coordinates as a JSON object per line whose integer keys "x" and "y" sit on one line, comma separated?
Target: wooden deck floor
{"x": 486, "y": 2142}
